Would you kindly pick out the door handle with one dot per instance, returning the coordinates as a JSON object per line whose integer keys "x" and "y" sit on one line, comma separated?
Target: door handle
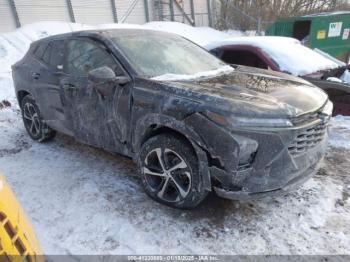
{"x": 35, "y": 75}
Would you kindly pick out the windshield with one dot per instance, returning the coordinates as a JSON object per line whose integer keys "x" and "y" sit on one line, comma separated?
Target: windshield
{"x": 154, "y": 55}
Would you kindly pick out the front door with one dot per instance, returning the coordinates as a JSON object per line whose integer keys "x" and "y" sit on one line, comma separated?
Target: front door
{"x": 95, "y": 119}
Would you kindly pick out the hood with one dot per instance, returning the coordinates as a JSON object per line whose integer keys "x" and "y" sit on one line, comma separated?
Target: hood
{"x": 255, "y": 92}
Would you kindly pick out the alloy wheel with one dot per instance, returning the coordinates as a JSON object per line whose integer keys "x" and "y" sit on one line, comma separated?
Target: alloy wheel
{"x": 31, "y": 119}
{"x": 167, "y": 174}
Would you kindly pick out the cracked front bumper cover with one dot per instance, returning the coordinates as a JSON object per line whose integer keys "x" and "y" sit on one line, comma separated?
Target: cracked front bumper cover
{"x": 257, "y": 162}
{"x": 285, "y": 173}
{"x": 290, "y": 186}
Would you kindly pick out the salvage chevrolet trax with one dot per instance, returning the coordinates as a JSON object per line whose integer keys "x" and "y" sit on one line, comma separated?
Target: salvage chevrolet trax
{"x": 192, "y": 123}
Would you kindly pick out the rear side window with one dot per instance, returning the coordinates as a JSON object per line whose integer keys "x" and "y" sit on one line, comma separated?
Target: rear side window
{"x": 40, "y": 49}
{"x": 51, "y": 53}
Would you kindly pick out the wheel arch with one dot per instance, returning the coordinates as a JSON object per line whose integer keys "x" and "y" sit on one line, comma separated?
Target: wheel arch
{"x": 156, "y": 129}
{"x": 152, "y": 125}
{"x": 21, "y": 94}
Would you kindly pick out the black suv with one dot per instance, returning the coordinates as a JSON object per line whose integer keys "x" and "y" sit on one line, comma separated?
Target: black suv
{"x": 192, "y": 123}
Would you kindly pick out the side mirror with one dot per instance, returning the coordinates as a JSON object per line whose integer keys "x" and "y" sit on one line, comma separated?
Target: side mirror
{"x": 101, "y": 75}
{"x": 104, "y": 80}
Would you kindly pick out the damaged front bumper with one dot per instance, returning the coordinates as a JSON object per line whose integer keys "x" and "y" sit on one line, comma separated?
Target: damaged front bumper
{"x": 254, "y": 163}
{"x": 283, "y": 161}
{"x": 257, "y": 162}
{"x": 289, "y": 186}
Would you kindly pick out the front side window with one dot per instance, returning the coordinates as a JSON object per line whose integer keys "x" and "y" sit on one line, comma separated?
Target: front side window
{"x": 154, "y": 55}
{"x": 84, "y": 56}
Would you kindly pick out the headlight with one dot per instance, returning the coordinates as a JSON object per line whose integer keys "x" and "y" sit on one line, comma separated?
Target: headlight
{"x": 233, "y": 121}
{"x": 260, "y": 122}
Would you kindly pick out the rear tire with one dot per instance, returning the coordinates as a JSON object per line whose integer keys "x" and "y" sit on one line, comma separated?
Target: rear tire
{"x": 169, "y": 171}
{"x": 32, "y": 120}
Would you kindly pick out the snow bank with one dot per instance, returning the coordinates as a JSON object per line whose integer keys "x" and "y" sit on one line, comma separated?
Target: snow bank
{"x": 173, "y": 77}
{"x": 340, "y": 132}
{"x": 7, "y": 91}
{"x": 199, "y": 35}
{"x": 15, "y": 44}
{"x": 289, "y": 53}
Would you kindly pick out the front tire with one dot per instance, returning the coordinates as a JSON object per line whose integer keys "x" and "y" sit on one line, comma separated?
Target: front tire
{"x": 32, "y": 120}
{"x": 169, "y": 171}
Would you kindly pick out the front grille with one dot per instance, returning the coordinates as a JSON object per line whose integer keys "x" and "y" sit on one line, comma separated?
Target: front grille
{"x": 307, "y": 139}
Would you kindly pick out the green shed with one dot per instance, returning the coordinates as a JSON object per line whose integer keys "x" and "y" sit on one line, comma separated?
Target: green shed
{"x": 329, "y": 32}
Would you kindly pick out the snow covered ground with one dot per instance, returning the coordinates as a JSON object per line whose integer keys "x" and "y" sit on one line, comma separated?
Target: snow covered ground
{"x": 82, "y": 200}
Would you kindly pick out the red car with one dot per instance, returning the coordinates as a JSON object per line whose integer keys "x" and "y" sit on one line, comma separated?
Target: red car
{"x": 288, "y": 55}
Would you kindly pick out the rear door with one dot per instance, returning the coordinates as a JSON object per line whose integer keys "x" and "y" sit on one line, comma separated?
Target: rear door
{"x": 46, "y": 81}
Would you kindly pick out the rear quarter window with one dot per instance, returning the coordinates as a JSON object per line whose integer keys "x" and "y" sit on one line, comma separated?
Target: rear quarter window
{"x": 47, "y": 54}
{"x": 40, "y": 49}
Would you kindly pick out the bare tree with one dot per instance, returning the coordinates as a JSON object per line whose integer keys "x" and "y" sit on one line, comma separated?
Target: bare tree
{"x": 246, "y": 14}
